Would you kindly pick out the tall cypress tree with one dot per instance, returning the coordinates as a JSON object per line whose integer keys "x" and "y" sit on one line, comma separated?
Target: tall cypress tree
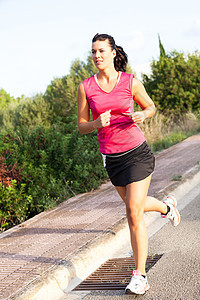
{"x": 162, "y": 50}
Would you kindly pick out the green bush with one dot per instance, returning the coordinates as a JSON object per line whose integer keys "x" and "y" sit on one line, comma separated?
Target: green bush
{"x": 14, "y": 204}
{"x": 86, "y": 170}
{"x": 55, "y": 163}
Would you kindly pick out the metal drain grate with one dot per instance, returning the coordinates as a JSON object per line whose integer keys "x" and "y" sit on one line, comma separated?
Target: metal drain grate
{"x": 114, "y": 274}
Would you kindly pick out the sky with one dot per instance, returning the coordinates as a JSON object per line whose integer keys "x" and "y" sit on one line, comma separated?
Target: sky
{"x": 39, "y": 39}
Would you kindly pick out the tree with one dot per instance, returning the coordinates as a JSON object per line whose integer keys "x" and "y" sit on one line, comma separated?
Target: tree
{"x": 162, "y": 50}
{"x": 28, "y": 112}
{"x": 5, "y": 99}
{"x": 174, "y": 83}
{"x": 61, "y": 94}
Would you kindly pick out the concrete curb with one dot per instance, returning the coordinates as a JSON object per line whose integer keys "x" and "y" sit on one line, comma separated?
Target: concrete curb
{"x": 71, "y": 272}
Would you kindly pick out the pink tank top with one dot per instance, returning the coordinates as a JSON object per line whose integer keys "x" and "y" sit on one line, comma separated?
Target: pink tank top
{"x": 122, "y": 134}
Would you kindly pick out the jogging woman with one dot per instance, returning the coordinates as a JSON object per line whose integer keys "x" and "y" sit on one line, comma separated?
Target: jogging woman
{"x": 110, "y": 95}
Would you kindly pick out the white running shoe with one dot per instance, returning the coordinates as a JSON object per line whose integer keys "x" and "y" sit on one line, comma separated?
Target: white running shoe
{"x": 173, "y": 215}
{"x": 138, "y": 284}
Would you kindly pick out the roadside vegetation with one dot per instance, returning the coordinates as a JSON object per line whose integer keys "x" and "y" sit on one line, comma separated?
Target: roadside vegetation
{"x": 44, "y": 160}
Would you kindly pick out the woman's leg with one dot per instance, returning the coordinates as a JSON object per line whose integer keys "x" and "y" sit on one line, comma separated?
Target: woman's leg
{"x": 136, "y": 194}
{"x": 122, "y": 192}
{"x": 135, "y": 197}
{"x": 151, "y": 203}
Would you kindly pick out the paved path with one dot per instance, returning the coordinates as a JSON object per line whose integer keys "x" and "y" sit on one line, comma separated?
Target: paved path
{"x": 176, "y": 275}
{"x": 41, "y": 243}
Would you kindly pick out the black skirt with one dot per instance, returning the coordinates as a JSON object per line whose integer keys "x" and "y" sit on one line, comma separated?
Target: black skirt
{"x": 130, "y": 166}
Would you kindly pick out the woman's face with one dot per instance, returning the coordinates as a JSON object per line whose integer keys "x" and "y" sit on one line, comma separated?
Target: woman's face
{"x": 102, "y": 54}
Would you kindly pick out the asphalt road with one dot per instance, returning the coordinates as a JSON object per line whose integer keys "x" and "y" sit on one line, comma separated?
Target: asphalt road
{"x": 176, "y": 275}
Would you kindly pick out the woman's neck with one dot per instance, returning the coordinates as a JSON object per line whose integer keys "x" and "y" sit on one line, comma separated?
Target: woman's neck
{"x": 107, "y": 74}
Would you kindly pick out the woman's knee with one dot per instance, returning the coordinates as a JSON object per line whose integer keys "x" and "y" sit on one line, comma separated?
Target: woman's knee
{"x": 135, "y": 215}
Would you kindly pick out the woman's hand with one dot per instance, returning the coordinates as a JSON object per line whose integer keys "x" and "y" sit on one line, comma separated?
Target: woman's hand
{"x": 103, "y": 120}
{"x": 137, "y": 117}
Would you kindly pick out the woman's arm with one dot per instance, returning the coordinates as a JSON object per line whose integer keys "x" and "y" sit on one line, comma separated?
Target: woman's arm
{"x": 144, "y": 101}
{"x": 84, "y": 124}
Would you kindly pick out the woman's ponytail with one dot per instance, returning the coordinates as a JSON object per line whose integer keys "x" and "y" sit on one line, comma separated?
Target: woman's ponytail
{"x": 121, "y": 58}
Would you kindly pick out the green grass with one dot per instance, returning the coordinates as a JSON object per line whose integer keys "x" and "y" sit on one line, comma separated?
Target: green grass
{"x": 177, "y": 178}
{"x": 171, "y": 140}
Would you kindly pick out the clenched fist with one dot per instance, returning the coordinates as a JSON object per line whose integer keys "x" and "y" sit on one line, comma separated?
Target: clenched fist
{"x": 104, "y": 119}
{"x": 137, "y": 117}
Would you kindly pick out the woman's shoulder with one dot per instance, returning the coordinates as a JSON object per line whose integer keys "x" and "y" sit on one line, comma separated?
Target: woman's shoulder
{"x": 127, "y": 80}
{"x": 88, "y": 80}
{"x": 87, "y": 84}
{"x": 126, "y": 77}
